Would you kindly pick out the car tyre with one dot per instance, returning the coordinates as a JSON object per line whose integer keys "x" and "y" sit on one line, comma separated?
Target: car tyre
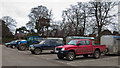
{"x": 9, "y": 46}
{"x": 70, "y": 56}
{"x": 96, "y": 54}
{"x": 13, "y": 47}
{"x": 37, "y": 51}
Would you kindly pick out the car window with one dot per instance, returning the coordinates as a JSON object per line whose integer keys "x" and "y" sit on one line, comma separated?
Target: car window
{"x": 87, "y": 42}
{"x": 47, "y": 42}
{"x": 35, "y": 38}
{"x": 59, "y": 42}
{"x": 53, "y": 42}
{"x": 82, "y": 42}
{"x": 73, "y": 42}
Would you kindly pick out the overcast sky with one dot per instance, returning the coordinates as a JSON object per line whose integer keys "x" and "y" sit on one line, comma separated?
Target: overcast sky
{"x": 19, "y": 9}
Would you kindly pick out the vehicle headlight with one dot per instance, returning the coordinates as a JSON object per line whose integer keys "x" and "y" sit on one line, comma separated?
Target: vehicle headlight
{"x": 62, "y": 49}
{"x": 31, "y": 47}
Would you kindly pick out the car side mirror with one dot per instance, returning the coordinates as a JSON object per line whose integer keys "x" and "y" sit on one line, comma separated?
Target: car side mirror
{"x": 79, "y": 44}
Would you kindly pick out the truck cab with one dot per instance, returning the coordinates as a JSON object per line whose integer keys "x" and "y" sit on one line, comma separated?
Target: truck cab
{"x": 77, "y": 47}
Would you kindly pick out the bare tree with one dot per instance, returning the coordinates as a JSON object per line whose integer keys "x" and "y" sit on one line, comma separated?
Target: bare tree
{"x": 30, "y": 26}
{"x": 10, "y": 23}
{"x": 101, "y": 14}
{"x": 41, "y": 17}
{"x": 76, "y": 18}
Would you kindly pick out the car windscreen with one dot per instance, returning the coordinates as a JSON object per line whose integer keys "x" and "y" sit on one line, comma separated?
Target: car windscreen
{"x": 42, "y": 42}
{"x": 73, "y": 42}
{"x": 12, "y": 41}
{"x": 30, "y": 39}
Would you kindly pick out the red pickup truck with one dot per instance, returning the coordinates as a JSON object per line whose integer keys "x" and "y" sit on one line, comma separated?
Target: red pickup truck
{"x": 77, "y": 47}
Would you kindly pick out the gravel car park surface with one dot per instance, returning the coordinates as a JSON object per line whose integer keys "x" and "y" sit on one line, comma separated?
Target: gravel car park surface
{"x": 13, "y": 57}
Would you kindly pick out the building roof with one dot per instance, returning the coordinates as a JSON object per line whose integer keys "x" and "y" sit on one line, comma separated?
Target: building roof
{"x": 19, "y": 35}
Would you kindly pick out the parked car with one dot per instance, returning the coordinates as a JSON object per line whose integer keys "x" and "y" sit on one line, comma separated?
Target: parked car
{"x": 112, "y": 44}
{"x": 12, "y": 44}
{"x": 77, "y": 47}
{"x": 8, "y": 44}
{"x": 47, "y": 44}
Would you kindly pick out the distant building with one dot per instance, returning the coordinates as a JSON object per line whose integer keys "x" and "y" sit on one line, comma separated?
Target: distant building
{"x": 106, "y": 32}
{"x": 116, "y": 33}
{"x": 19, "y": 35}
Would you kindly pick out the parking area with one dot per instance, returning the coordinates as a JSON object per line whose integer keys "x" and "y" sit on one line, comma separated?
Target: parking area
{"x": 13, "y": 57}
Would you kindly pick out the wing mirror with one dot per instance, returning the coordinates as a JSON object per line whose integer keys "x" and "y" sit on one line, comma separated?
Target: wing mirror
{"x": 79, "y": 44}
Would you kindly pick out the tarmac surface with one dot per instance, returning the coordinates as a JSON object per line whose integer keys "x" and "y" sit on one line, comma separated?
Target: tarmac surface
{"x": 13, "y": 57}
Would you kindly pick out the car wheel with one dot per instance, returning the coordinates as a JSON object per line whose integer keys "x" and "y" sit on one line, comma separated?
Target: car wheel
{"x": 37, "y": 51}
{"x": 60, "y": 56}
{"x": 85, "y": 55}
{"x": 96, "y": 54}
{"x": 9, "y": 46}
{"x": 70, "y": 56}
{"x": 22, "y": 47}
{"x": 13, "y": 47}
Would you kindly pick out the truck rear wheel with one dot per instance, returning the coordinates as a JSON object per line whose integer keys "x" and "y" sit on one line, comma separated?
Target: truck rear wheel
{"x": 60, "y": 56}
{"x": 70, "y": 56}
{"x": 37, "y": 51}
{"x": 96, "y": 54}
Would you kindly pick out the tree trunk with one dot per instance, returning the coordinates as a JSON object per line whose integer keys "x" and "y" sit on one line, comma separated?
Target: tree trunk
{"x": 84, "y": 23}
{"x": 99, "y": 33}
